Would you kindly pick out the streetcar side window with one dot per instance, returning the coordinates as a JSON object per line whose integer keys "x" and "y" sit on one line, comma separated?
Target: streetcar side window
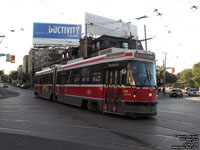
{"x": 36, "y": 80}
{"x": 76, "y": 76}
{"x": 97, "y": 75}
{"x": 47, "y": 79}
{"x": 41, "y": 80}
{"x": 51, "y": 78}
{"x": 120, "y": 78}
{"x": 85, "y": 75}
{"x": 107, "y": 77}
{"x": 60, "y": 78}
{"x": 69, "y": 77}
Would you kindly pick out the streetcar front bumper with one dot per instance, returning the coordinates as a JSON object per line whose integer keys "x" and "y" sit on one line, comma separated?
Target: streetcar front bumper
{"x": 140, "y": 109}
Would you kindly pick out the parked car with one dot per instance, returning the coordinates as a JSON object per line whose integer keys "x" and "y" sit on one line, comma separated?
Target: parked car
{"x": 198, "y": 93}
{"x": 186, "y": 90}
{"x": 176, "y": 93}
{"x": 19, "y": 85}
{"x": 5, "y": 85}
{"x": 24, "y": 86}
{"x": 192, "y": 92}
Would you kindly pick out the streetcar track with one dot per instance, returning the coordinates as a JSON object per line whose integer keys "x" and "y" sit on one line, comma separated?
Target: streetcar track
{"x": 62, "y": 137}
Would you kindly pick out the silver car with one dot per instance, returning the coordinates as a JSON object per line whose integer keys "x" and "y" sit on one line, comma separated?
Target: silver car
{"x": 5, "y": 85}
{"x": 192, "y": 92}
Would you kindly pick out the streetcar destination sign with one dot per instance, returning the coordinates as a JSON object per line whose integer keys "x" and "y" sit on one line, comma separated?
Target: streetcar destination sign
{"x": 145, "y": 56}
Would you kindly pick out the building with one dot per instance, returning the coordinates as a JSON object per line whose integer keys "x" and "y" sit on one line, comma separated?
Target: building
{"x": 31, "y": 65}
{"x": 104, "y": 42}
{"x": 20, "y": 74}
{"x": 47, "y": 56}
{"x": 25, "y": 65}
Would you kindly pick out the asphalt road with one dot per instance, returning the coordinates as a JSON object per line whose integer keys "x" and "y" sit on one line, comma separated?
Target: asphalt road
{"x": 31, "y": 123}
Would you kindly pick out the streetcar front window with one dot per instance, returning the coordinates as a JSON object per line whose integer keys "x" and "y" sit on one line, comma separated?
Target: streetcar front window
{"x": 141, "y": 74}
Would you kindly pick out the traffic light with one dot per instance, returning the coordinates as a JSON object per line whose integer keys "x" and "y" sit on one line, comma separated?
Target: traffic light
{"x": 12, "y": 58}
{"x": 173, "y": 69}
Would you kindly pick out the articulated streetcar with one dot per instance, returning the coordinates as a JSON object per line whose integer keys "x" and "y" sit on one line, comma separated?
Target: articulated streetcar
{"x": 123, "y": 82}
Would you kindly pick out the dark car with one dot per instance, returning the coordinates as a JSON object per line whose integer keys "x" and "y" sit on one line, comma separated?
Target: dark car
{"x": 5, "y": 85}
{"x": 24, "y": 86}
{"x": 176, "y": 93}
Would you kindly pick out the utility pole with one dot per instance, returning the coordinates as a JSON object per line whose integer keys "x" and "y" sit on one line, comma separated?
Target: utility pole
{"x": 164, "y": 74}
{"x": 85, "y": 49}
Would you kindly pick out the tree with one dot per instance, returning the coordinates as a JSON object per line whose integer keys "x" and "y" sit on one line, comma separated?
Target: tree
{"x": 186, "y": 78}
{"x": 159, "y": 75}
{"x": 196, "y": 74}
{"x": 13, "y": 75}
{"x": 170, "y": 78}
{"x": 1, "y": 72}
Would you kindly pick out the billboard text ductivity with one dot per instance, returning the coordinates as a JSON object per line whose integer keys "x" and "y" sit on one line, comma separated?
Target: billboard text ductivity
{"x": 49, "y": 33}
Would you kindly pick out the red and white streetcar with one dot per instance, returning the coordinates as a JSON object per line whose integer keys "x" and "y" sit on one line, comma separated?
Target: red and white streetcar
{"x": 117, "y": 81}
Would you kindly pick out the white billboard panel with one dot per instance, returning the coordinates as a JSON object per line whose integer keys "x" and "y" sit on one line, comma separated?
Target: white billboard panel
{"x": 97, "y": 25}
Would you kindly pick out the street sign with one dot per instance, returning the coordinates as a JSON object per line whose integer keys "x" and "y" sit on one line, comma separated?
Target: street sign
{"x": 1, "y": 54}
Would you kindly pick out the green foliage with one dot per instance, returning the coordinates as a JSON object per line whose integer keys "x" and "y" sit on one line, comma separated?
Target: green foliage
{"x": 5, "y": 78}
{"x": 25, "y": 77}
{"x": 170, "y": 78}
{"x": 159, "y": 75}
{"x": 1, "y": 72}
{"x": 196, "y": 74}
{"x": 13, "y": 74}
{"x": 186, "y": 78}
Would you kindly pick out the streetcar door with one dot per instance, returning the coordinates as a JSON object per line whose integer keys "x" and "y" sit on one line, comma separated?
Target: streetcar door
{"x": 111, "y": 90}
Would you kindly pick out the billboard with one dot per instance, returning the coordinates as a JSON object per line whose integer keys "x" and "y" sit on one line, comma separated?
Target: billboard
{"x": 56, "y": 34}
{"x": 97, "y": 25}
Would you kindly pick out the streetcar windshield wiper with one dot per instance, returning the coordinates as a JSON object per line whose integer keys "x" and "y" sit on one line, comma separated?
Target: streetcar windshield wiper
{"x": 147, "y": 77}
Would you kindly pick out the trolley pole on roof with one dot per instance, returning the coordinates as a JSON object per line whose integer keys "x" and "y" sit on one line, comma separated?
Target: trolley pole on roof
{"x": 145, "y": 37}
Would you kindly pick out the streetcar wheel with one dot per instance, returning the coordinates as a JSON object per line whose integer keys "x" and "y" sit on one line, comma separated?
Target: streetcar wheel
{"x": 93, "y": 106}
{"x": 51, "y": 98}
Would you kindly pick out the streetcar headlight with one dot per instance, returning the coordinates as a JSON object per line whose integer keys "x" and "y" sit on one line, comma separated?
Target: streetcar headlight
{"x": 150, "y": 94}
{"x": 134, "y": 94}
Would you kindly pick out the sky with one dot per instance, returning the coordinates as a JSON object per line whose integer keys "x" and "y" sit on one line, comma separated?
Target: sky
{"x": 175, "y": 32}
